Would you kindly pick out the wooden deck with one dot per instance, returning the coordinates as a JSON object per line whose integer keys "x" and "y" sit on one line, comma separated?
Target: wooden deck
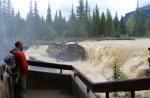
{"x": 47, "y": 94}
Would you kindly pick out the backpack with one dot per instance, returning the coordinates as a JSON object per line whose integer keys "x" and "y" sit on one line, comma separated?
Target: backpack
{"x": 10, "y": 66}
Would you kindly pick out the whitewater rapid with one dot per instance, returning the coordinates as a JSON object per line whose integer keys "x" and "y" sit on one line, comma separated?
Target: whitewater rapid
{"x": 130, "y": 55}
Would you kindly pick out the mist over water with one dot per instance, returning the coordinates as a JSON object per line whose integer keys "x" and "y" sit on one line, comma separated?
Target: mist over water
{"x": 5, "y": 43}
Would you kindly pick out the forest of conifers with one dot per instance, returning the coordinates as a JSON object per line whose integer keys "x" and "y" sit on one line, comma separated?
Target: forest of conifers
{"x": 82, "y": 23}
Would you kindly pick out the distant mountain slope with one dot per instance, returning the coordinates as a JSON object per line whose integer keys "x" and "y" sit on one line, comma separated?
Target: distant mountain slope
{"x": 146, "y": 10}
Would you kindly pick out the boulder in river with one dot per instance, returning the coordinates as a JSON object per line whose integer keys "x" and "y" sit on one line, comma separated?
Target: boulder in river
{"x": 66, "y": 52}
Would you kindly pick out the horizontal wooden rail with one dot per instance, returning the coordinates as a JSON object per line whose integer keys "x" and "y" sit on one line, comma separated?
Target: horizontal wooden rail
{"x": 123, "y": 85}
{"x": 50, "y": 65}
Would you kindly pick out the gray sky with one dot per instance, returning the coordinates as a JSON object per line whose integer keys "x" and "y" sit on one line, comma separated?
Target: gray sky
{"x": 121, "y": 6}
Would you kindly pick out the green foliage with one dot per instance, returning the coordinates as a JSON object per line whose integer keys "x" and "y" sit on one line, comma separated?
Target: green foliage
{"x": 137, "y": 21}
{"x": 103, "y": 25}
{"x": 80, "y": 24}
{"x": 130, "y": 25}
{"x": 110, "y": 24}
{"x": 118, "y": 74}
{"x": 117, "y": 34}
{"x": 81, "y": 19}
{"x": 96, "y": 23}
{"x": 116, "y": 23}
{"x": 122, "y": 26}
{"x": 142, "y": 25}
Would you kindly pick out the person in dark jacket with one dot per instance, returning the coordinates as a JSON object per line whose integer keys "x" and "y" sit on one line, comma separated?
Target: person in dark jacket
{"x": 21, "y": 62}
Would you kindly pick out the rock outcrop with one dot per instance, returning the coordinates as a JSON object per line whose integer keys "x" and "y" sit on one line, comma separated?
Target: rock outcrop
{"x": 66, "y": 52}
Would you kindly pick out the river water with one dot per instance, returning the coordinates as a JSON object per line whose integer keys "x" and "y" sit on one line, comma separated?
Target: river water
{"x": 130, "y": 55}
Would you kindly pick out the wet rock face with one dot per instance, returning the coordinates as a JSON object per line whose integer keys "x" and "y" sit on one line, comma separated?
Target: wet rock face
{"x": 66, "y": 52}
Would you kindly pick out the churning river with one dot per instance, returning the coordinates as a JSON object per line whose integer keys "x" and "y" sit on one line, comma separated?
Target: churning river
{"x": 130, "y": 55}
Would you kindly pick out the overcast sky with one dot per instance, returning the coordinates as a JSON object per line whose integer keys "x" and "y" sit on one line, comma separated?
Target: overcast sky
{"x": 121, "y": 6}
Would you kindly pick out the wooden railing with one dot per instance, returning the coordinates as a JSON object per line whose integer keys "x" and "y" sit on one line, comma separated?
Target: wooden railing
{"x": 131, "y": 85}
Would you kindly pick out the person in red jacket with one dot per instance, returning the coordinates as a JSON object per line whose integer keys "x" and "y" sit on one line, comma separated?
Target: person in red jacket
{"x": 21, "y": 62}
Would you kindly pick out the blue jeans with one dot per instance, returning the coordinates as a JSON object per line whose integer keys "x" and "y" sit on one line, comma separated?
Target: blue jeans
{"x": 20, "y": 87}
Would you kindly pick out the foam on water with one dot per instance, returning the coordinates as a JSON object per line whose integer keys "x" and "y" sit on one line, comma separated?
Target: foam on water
{"x": 130, "y": 55}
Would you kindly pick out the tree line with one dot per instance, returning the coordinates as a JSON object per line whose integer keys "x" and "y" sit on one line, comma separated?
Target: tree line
{"x": 82, "y": 23}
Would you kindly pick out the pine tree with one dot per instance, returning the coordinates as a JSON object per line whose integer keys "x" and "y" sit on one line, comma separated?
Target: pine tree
{"x": 116, "y": 23}
{"x": 137, "y": 21}
{"x": 87, "y": 18}
{"x": 142, "y": 24}
{"x": 36, "y": 15}
{"x": 18, "y": 26}
{"x": 48, "y": 25}
{"x": 81, "y": 19}
{"x": 110, "y": 25}
{"x": 93, "y": 28}
{"x": 45, "y": 34}
{"x": 72, "y": 24}
{"x": 97, "y": 22}
{"x": 122, "y": 26}
{"x": 31, "y": 10}
{"x": 118, "y": 74}
{"x": 49, "y": 15}
{"x": 30, "y": 23}
{"x": 59, "y": 24}
{"x": 37, "y": 22}
{"x": 103, "y": 25}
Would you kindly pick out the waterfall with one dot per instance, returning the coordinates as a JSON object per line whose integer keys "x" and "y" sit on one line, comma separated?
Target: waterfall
{"x": 130, "y": 55}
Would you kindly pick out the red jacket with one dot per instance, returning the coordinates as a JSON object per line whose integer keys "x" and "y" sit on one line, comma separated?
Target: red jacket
{"x": 20, "y": 62}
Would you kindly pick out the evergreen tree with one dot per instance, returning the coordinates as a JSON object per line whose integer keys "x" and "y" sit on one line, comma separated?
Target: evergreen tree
{"x": 48, "y": 25}
{"x": 103, "y": 25}
{"x": 9, "y": 8}
{"x": 59, "y": 24}
{"x": 30, "y": 23}
{"x": 37, "y": 22}
{"x": 49, "y": 15}
{"x": 96, "y": 22}
{"x": 116, "y": 23}
{"x": 122, "y": 26}
{"x": 81, "y": 19}
{"x": 137, "y": 21}
{"x": 110, "y": 25}
{"x": 93, "y": 28}
{"x": 18, "y": 25}
{"x": 142, "y": 24}
{"x": 87, "y": 18}
{"x": 31, "y": 10}
{"x": 72, "y": 24}
{"x": 118, "y": 74}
